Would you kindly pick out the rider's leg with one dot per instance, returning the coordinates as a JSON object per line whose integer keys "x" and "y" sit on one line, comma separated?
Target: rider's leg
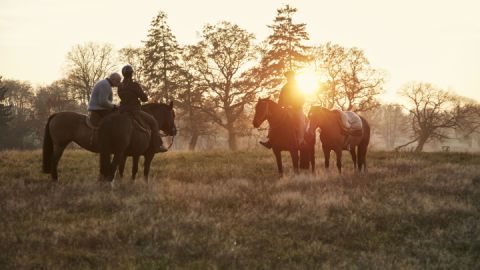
{"x": 156, "y": 143}
{"x": 267, "y": 143}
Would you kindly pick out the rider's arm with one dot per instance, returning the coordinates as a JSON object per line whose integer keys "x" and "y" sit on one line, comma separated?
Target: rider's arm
{"x": 140, "y": 93}
{"x": 105, "y": 98}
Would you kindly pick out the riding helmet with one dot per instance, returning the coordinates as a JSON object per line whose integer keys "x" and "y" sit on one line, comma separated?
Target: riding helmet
{"x": 127, "y": 71}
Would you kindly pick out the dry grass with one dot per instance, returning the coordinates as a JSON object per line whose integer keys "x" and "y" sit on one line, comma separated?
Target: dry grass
{"x": 228, "y": 210}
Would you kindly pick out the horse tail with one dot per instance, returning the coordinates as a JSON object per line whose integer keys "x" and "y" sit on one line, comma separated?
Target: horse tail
{"x": 363, "y": 147}
{"x": 47, "y": 151}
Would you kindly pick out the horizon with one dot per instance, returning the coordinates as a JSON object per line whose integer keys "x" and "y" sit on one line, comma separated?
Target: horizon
{"x": 428, "y": 42}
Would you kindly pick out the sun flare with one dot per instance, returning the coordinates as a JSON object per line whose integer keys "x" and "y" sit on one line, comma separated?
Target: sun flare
{"x": 307, "y": 81}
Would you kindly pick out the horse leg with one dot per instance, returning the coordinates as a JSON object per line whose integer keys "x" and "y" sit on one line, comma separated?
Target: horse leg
{"x": 121, "y": 166}
{"x": 326, "y": 155}
{"x": 134, "y": 167}
{"x": 362, "y": 153}
{"x": 146, "y": 165}
{"x": 312, "y": 158}
{"x": 354, "y": 157}
{"x": 278, "y": 158}
{"x": 338, "y": 153}
{"x": 57, "y": 154}
{"x": 294, "y": 155}
{"x": 117, "y": 159}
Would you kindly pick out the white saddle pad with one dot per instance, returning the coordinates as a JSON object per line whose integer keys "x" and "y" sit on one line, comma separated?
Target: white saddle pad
{"x": 350, "y": 120}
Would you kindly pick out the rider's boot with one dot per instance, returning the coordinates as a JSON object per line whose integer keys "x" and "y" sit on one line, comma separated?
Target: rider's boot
{"x": 156, "y": 144}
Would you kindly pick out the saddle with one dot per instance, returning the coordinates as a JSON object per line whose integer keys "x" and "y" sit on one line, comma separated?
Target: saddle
{"x": 138, "y": 123}
{"x": 89, "y": 124}
{"x": 350, "y": 122}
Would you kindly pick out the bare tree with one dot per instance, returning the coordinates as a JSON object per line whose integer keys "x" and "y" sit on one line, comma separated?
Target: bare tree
{"x": 351, "y": 83}
{"x": 433, "y": 112}
{"x": 391, "y": 122}
{"x": 219, "y": 59}
{"x": 87, "y": 64}
{"x": 329, "y": 59}
{"x": 194, "y": 122}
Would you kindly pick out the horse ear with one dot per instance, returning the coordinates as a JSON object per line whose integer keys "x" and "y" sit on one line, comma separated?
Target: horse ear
{"x": 170, "y": 104}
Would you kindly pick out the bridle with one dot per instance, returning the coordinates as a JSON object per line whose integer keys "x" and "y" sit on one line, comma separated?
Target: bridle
{"x": 165, "y": 135}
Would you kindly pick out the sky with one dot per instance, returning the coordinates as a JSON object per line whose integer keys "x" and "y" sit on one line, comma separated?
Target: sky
{"x": 436, "y": 41}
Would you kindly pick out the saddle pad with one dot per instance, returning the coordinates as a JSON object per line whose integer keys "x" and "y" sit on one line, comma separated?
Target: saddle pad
{"x": 350, "y": 120}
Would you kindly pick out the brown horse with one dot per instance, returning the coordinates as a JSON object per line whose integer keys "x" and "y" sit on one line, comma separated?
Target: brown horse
{"x": 118, "y": 135}
{"x": 332, "y": 136}
{"x": 65, "y": 127}
{"x": 283, "y": 136}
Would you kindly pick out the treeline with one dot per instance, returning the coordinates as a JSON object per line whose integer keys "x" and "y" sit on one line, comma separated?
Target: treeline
{"x": 215, "y": 81}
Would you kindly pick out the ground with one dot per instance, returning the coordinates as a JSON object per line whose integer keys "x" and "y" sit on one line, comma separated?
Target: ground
{"x": 229, "y": 210}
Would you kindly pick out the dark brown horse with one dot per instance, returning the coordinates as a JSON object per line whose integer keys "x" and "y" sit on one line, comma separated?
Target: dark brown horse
{"x": 332, "y": 136}
{"x": 118, "y": 135}
{"x": 283, "y": 136}
{"x": 65, "y": 127}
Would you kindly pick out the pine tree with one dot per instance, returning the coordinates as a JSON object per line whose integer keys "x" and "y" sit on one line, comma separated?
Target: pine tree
{"x": 284, "y": 49}
{"x": 160, "y": 58}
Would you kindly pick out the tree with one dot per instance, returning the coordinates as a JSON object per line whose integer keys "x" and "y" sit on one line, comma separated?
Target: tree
{"x": 283, "y": 50}
{"x": 134, "y": 57}
{"x": 391, "y": 122}
{"x": 329, "y": 58}
{"x": 19, "y": 98}
{"x": 188, "y": 98}
{"x": 5, "y": 111}
{"x": 433, "y": 112}
{"x": 351, "y": 83}
{"x": 160, "y": 59}
{"x": 86, "y": 65}
{"x": 218, "y": 60}
{"x": 50, "y": 99}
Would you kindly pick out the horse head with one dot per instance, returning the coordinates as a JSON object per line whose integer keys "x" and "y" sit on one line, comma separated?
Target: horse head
{"x": 261, "y": 111}
{"x": 317, "y": 116}
{"x": 165, "y": 116}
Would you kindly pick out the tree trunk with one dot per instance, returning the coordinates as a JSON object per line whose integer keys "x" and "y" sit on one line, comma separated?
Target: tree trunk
{"x": 232, "y": 138}
{"x": 193, "y": 142}
{"x": 421, "y": 143}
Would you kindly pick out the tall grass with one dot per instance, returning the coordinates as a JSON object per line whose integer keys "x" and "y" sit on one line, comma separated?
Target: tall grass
{"x": 229, "y": 210}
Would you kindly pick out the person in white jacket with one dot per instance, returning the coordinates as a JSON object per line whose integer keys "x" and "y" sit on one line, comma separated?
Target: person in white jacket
{"x": 101, "y": 100}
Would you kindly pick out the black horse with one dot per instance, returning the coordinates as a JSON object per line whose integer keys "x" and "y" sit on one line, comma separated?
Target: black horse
{"x": 283, "y": 136}
{"x": 122, "y": 136}
{"x": 332, "y": 136}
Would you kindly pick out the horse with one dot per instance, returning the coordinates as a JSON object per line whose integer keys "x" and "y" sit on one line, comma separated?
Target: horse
{"x": 333, "y": 136}
{"x": 62, "y": 128}
{"x": 283, "y": 136}
{"x": 118, "y": 135}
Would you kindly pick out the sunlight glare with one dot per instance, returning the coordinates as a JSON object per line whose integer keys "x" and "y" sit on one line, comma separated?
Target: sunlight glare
{"x": 307, "y": 81}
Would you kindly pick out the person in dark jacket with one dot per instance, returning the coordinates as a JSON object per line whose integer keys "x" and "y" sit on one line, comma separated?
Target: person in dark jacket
{"x": 131, "y": 93}
{"x": 291, "y": 97}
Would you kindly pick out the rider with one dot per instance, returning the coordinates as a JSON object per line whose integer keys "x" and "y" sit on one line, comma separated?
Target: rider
{"x": 130, "y": 93}
{"x": 292, "y": 97}
{"x": 101, "y": 100}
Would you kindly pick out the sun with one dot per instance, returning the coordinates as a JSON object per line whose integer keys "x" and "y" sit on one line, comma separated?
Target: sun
{"x": 307, "y": 80}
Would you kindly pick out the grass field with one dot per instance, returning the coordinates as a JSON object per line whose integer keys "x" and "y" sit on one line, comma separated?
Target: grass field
{"x": 228, "y": 210}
